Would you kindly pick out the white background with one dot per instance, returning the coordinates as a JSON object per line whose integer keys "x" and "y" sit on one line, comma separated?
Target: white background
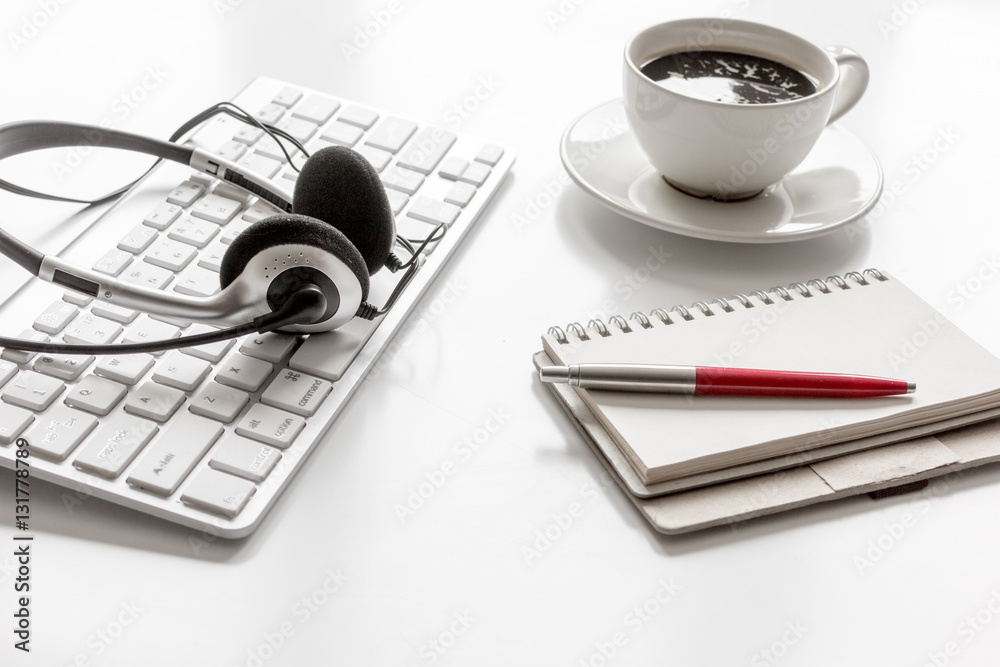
{"x": 458, "y": 573}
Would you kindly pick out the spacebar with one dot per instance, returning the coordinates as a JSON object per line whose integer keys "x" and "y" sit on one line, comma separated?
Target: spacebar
{"x": 328, "y": 355}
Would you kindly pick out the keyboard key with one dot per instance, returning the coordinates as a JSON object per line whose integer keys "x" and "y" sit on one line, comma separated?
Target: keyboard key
{"x": 259, "y": 211}
{"x": 427, "y": 149}
{"x": 154, "y": 401}
{"x": 172, "y": 321}
{"x": 391, "y": 134}
{"x": 211, "y": 257}
{"x": 433, "y": 211}
{"x": 216, "y": 209}
{"x": 147, "y": 275}
{"x": 397, "y": 200}
{"x": 489, "y": 154}
{"x": 32, "y": 390}
{"x": 114, "y": 445}
{"x": 296, "y": 392}
{"x": 138, "y": 239}
{"x": 161, "y": 216}
{"x": 89, "y": 329}
{"x": 219, "y": 402}
{"x": 460, "y": 194}
{"x": 146, "y": 329}
{"x": 13, "y": 421}
{"x": 202, "y": 178}
{"x": 231, "y": 150}
{"x": 316, "y": 108}
{"x": 170, "y": 254}
{"x": 270, "y": 425}
{"x": 244, "y": 372}
{"x": 403, "y": 180}
{"x": 194, "y": 232}
{"x": 21, "y": 356}
{"x": 212, "y": 352}
{"x": 260, "y": 164}
{"x": 59, "y": 431}
{"x": 185, "y": 194}
{"x": 245, "y": 458}
{"x": 360, "y": 116}
{"x": 415, "y": 230}
{"x": 288, "y": 96}
{"x": 113, "y": 262}
{"x": 270, "y": 347}
{"x": 270, "y": 113}
{"x": 55, "y": 318}
{"x": 96, "y": 395}
{"x": 270, "y": 148}
{"x": 377, "y": 157}
{"x": 475, "y": 174}
{"x": 299, "y": 129}
{"x": 62, "y": 366}
{"x": 237, "y": 194}
{"x": 166, "y": 464}
{"x": 7, "y": 371}
{"x": 248, "y": 134}
{"x": 198, "y": 281}
{"x": 453, "y": 167}
{"x": 181, "y": 371}
{"x": 329, "y": 354}
{"x": 76, "y": 298}
{"x": 234, "y": 229}
{"x": 126, "y": 368}
{"x": 218, "y": 492}
{"x": 342, "y": 133}
{"x": 113, "y": 312}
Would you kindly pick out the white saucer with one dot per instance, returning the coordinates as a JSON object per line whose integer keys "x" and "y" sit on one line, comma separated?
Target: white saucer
{"x": 838, "y": 182}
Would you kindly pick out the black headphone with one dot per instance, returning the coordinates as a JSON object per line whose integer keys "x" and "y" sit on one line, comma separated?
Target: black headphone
{"x": 305, "y": 270}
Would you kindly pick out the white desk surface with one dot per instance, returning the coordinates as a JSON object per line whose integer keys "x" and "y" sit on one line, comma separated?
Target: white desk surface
{"x": 335, "y": 575}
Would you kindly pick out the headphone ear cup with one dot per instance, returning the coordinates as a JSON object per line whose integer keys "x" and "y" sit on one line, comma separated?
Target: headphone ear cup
{"x": 339, "y": 187}
{"x": 291, "y": 229}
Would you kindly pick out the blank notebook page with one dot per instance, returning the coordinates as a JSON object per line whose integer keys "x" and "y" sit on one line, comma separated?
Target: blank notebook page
{"x": 881, "y": 329}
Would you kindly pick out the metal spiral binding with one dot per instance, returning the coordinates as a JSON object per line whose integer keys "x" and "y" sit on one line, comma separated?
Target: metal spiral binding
{"x": 642, "y": 318}
{"x": 662, "y": 314}
{"x": 600, "y": 326}
{"x": 806, "y": 290}
{"x": 622, "y": 324}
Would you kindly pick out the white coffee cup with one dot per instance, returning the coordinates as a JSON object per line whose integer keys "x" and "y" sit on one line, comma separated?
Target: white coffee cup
{"x": 726, "y": 150}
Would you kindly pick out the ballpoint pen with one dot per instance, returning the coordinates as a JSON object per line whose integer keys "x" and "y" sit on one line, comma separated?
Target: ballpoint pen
{"x": 708, "y": 380}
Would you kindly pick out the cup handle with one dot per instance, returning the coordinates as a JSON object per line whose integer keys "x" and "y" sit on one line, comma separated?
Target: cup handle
{"x": 853, "y": 80}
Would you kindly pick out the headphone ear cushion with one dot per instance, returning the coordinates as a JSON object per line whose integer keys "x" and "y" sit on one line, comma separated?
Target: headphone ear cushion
{"x": 338, "y": 186}
{"x": 289, "y": 228}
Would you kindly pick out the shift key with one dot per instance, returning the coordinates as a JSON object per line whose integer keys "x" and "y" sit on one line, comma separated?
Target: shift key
{"x": 165, "y": 465}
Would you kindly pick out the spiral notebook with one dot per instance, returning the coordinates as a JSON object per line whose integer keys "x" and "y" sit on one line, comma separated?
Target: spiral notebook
{"x": 862, "y": 323}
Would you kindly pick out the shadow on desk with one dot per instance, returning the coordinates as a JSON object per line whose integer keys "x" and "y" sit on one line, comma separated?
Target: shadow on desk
{"x": 58, "y": 510}
{"x": 707, "y": 268}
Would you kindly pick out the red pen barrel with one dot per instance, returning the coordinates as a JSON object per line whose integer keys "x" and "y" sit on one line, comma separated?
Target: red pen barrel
{"x": 754, "y": 382}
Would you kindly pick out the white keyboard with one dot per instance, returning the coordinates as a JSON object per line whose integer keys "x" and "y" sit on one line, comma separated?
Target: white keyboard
{"x": 208, "y": 437}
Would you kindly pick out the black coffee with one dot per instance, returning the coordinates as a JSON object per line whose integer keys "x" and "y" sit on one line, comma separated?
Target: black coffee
{"x": 723, "y": 76}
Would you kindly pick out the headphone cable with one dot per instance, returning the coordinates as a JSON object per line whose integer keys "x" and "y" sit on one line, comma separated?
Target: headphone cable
{"x": 306, "y": 305}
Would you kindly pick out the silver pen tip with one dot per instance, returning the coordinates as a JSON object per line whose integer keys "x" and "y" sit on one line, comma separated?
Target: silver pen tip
{"x": 554, "y": 374}
{"x": 911, "y": 387}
